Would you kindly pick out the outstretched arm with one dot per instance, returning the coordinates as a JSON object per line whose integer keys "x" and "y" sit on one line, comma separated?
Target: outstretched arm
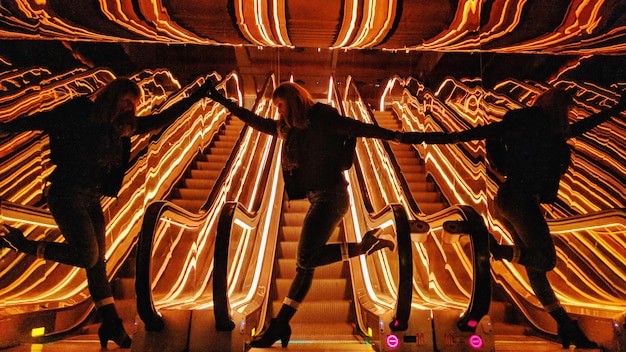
{"x": 429, "y": 137}
{"x": 354, "y": 128}
{"x": 479, "y": 132}
{"x": 41, "y": 121}
{"x": 169, "y": 115}
{"x": 584, "y": 125}
{"x": 257, "y": 122}
{"x": 27, "y": 123}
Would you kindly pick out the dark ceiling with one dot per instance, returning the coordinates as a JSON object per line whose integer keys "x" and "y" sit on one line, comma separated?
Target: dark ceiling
{"x": 367, "y": 39}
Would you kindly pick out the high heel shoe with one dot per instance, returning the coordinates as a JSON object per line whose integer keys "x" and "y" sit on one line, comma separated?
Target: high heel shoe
{"x": 11, "y": 238}
{"x": 371, "y": 242}
{"x": 114, "y": 331}
{"x": 571, "y": 334}
{"x": 277, "y": 331}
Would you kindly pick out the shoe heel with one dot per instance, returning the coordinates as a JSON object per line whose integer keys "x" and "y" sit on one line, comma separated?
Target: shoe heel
{"x": 284, "y": 341}
{"x": 114, "y": 332}
{"x": 103, "y": 341}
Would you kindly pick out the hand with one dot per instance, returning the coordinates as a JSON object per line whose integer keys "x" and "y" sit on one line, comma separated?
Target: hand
{"x": 213, "y": 93}
{"x": 412, "y": 137}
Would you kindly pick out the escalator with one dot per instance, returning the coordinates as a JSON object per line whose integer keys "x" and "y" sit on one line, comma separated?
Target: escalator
{"x": 59, "y": 306}
{"x": 331, "y": 316}
{"x": 423, "y": 189}
{"x": 507, "y": 328}
{"x": 254, "y": 264}
{"x": 580, "y": 276}
{"x": 192, "y": 190}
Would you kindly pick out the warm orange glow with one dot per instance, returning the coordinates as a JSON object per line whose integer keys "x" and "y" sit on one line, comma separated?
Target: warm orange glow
{"x": 164, "y": 158}
{"x": 584, "y": 28}
{"x": 588, "y": 247}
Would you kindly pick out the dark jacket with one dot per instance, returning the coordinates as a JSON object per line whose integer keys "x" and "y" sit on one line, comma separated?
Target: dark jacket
{"x": 90, "y": 155}
{"x": 311, "y": 159}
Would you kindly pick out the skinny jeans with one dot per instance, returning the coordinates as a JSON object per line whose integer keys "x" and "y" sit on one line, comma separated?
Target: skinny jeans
{"x": 78, "y": 214}
{"x": 327, "y": 208}
{"x": 521, "y": 213}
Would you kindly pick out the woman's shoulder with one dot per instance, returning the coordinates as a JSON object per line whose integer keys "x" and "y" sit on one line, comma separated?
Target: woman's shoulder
{"x": 323, "y": 113}
{"x": 75, "y": 108}
{"x": 322, "y": 108}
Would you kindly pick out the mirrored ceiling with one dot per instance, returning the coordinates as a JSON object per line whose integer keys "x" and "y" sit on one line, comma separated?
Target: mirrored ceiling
{"x": 368, "y": 39}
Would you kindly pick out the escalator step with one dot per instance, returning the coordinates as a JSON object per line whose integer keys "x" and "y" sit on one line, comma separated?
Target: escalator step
{"x": 339, "y": 311}
{"x": 287, "y": 268}
{"x": 321, "y": 289}
{"x": 204, "y": 183}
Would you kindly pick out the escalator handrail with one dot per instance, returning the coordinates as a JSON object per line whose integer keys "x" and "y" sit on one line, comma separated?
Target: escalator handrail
{"x": 480, "y": 300}
{"x": 152, "y": 319}
{"x": 221, "y": 304}
{"x": 403, "y": 237}
{"x": 145, "y": 304}
{"x": 405, "y": 270}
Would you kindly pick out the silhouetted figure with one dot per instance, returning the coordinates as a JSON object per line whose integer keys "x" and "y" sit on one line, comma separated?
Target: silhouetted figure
{"x": 315, "y": 153}
{"x": 532, "y": 153}
{"x": 90, "y": 145}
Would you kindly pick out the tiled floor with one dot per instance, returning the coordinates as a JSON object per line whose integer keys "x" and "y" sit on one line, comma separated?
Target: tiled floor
{"x": 83, "y": 343}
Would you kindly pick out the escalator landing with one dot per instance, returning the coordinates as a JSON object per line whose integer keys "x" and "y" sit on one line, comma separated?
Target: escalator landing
{"x": 319, "y": 345}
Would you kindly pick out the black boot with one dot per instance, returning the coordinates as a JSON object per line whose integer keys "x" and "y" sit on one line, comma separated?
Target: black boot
{"x": 114, "y": 331}
{"x": 278, "y": 330}
{"x": 570, "y": 334}
{"x": 112, "y": 328}
{"x": 372, "y": 243}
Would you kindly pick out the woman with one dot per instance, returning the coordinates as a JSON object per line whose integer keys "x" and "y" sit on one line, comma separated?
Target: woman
{"x": 532, "y": 152}
{"x": 313, "y": 134}
{"x": 90, "y": 145}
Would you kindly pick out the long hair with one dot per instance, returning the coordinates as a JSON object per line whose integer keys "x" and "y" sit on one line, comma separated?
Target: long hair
{"x": 298, "y": 100}
{"x": 553, "y": 97}
{"x": 108, "y": 96}
{"x": 555, "y": 102}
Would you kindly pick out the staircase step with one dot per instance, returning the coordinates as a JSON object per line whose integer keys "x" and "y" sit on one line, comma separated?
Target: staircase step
{"x": 223, "y": 144}
{"x": 431, "y": 208}
{"x": 420, "y": 186}
{"x": 194, "y": 193}
{"x": 217, "y": 158}
{"x": 336, "y": 311}
{"x": 321, "y": 289}
{"x": 190, "y": 205}
{"x": 222, "y": 150}
{"x": 202, "y": 183}
{"x": 297, "y": 206}
{"x": 427, "y": 197}
{"x": 208, "y": 165}
{"x": 201, "y": 174}
{"x": 291, "y": 232}
{"x": 323, "y": 331}
{"x": 413, "y": 170}
{"x": 287, "y": 270}
{"x": 293, "y": 219}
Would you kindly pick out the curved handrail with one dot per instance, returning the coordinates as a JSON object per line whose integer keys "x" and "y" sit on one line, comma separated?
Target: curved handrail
{"x": 145, "y": 305}
{"x": 405, "y": 270}
{"x": 155, "y": 211}
{"x": 116, "y": 210}
{"x": 146, "y": 310}
{"x": 581, "y": 254}
{"x": 221, "y": 304}
{"x": 474, "y": 226}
